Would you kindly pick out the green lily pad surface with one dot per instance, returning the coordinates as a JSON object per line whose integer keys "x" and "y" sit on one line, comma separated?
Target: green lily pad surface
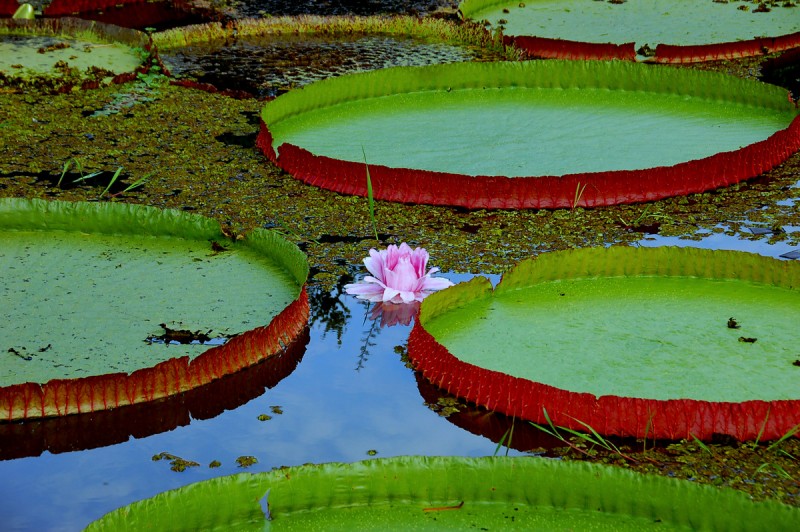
{"x": 98, "y": 288}
{"x": 18, "y": 53}
{"x": 545, "y": 133}
{"x": 641, "y": 22}
{"x": 448, "y": 493}
{"x": 663, "y": 326}
{"x": 59, "y": 54}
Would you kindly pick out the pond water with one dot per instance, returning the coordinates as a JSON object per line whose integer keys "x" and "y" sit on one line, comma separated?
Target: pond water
{"x": 270, "y": 65}
{"x": 350, "y": 397}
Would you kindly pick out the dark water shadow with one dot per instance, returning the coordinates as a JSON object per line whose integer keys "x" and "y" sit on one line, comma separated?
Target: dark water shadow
{"x": 784, "y": 71}
{"x": 491, "y": 425}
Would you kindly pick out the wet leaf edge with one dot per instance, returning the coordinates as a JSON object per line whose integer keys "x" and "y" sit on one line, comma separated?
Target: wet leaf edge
{"x": 431, "y": 28}
{"x": 109, "y": 427}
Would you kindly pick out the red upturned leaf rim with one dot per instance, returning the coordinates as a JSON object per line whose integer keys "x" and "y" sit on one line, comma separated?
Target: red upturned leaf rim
{"x": 61, "y": 397}
{"x": 102, "y": 428}
{"x": 8, "y": 7}
{"x": 495, "y": 427}
{"x": 550, "y": 48}
{"x": 58, "y": 8}
{"x": 671, "y": 419}
{"x": 587, "y": 189}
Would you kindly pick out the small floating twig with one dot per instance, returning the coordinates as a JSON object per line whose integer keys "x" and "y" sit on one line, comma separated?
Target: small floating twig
{"x": 444, "y": 508}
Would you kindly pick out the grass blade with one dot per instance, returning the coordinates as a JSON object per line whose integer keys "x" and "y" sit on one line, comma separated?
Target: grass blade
{"x": 547, "y": 431}
{"x": 64, "y": 170}
{"x": 598, "y": 439}
{"x": 110, "y": 183}
{"x": 139, "y": 182}
{"x": 87, "y": 176}
{"x": 701, "y": 444}
{"x": 500, "y": 443}
{"x": 761, "y": 431}
{"x": 579, "y": 190}
{"x": 792, "y": 432}
{"x": 370, "y": 199}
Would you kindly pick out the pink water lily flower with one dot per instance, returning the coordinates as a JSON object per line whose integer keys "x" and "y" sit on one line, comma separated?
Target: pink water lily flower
{"x": 398, "y": 276}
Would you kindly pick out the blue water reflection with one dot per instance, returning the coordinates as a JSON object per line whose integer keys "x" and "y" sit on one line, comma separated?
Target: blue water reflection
{"x": 338, "y": 405}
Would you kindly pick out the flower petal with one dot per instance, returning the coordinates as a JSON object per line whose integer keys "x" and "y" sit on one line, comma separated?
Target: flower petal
{"x": 390, "y": 295}
{"x": 390, "y": 256}
{"x": 402, "y": 277}
{"x": 370, "y": 289}
{"x": 431, "y": 284}
{"x": 419, "y": 258}
{"x": 407, "y": 296}
{"x": 398, "y": 276}
{"x": 376, "y": 264}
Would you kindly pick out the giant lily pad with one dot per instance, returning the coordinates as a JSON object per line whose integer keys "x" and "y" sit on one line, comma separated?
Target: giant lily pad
{"x": 663, "y": 342}
{"x": 678, "y": 31}
{"x": 111, "y": 304}
{"x": 57, "y": 55}
{"x": 449, "y": 493}
{"x": 534, "y": 134}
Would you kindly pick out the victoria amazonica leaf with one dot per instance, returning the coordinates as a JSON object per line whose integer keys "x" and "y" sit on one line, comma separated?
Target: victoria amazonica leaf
{"x": 699, "y": 29}
{"x": 109, "y": 288}
{"x": 61, "y": 54}
{"x": 448, "y": 493}
{"x": 508, "y": 135}
{"x": 668, "y": 341}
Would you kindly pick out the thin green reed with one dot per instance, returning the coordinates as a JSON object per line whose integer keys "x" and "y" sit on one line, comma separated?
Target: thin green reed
{"x": 370, "y": 199}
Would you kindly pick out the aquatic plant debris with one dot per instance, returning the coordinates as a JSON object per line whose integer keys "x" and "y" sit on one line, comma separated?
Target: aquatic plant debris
{"x": 399, "y": 275}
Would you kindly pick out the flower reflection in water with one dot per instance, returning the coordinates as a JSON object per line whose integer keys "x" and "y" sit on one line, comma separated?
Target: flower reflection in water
{"x": 394, "y": 313}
